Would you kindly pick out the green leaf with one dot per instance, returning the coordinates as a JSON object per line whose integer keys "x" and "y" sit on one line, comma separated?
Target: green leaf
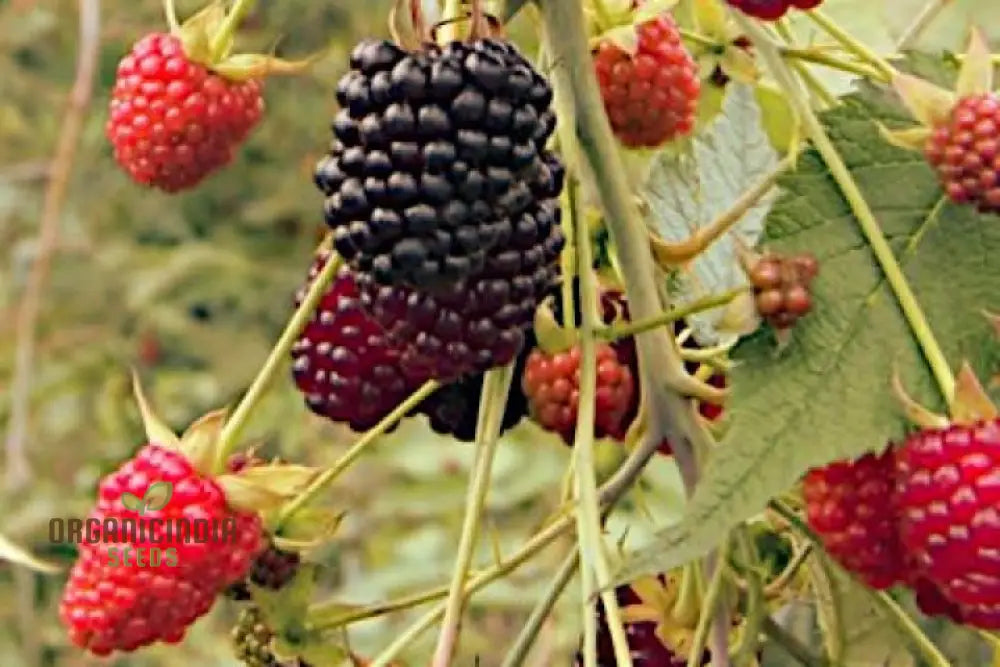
{"x": 21, "y": 556}
{"x": 866, "y": 634}
{"x": 826, "y": 396}
{"x": 285, "y": 609}
{"x": 685, "y": 192}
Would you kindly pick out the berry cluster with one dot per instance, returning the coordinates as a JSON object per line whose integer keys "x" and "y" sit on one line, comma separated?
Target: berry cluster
{"x": 963, "y": 151}
{"x": 172, "y": 121}
{"x": 650, "y": 96}
{"x": 781, "y": 287}
{"x": 252, "y": 642}
{"x": 438, "y": 160}
{"x": 920, "y": 514}
{"x": 118, "y": 596}
{"x": 771, "y": 10}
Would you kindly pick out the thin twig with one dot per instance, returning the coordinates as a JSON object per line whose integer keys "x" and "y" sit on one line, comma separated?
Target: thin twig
{"x": 526, "y": 638}
{"x": 496, "y": 386}
{"x": 18, "y": 468}
{"x": 790, "y": 644}
{"x": 920, "y": 23}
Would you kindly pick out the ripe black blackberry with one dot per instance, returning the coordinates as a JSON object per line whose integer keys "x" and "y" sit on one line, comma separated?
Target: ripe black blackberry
{"x": 343, "y": 363}
{"x": 437, "y": 156}
{"x": 252, "y": 642}
{"x": 480, "y": 323}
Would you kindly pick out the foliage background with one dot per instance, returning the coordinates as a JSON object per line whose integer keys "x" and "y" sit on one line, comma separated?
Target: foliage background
{"x": 193, "y": 289}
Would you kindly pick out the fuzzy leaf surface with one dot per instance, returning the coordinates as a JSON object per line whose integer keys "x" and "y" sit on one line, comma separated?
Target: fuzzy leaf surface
{"x": 688, "y": 191}
{"x": 826, "y": 396}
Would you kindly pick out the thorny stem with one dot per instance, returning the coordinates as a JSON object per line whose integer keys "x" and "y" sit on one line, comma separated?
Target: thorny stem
{"x": 236, "y": 14}
{"x": 850, "y": 44}
{"x": 18, "y": 470}
{"x": 351, "y": 455}
{"x": 526, "y": 638}
{"x": 616, "y": 332}
{"x": 586, "y": 138}
{"x": 496, "y": 385}
{"x": 790, "y": 644}
{"x": 862, "y": 212}
{"x": 927, "y": 649}
{"x": 241, "y": 415}
{"x": 708, "y": 608}
{"x": 593, "y": 562}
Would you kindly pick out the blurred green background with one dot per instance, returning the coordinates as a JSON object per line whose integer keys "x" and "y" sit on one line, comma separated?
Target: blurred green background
{"x": 192, "y": 290}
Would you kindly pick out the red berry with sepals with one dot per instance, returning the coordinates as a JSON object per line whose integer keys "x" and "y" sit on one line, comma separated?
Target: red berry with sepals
{"x": 147, "y": 584}
{"x": 651, "y": 95}
{"x": 849, "y": 506}
{"x": 947, "y": 497}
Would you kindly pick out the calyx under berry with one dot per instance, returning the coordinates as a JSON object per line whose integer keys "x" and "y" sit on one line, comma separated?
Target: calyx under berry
{"x": 208, "y": 38}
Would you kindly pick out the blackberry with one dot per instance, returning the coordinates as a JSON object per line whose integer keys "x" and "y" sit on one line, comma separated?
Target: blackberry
{"x": 781, "y": 287}
{"x": 343, "y": 363}
{"x": 252, "y": 642}
{"x": 454, "y": 409}
{"x": 272, "y": 569}
{"x": 480, "y": 323}
{"x": 438, "y": 155}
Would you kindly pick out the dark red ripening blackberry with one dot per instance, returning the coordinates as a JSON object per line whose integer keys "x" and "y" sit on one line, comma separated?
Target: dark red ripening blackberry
{"x": 781, "y": 287}
{"x": 480, "y": 323}
{"x": 343, "y": 363}
{"x": 645, "y": 647}
{"x": 437, "y": 157}
{"x": 454, "y": 408}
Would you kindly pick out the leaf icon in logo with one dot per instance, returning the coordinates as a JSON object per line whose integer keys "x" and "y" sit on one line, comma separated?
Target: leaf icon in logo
{"x": 132, "y": 502}
{"x": 156, "y": 497}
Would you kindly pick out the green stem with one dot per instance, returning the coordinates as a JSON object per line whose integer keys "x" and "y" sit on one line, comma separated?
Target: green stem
{"x": 568, "y": 262}
{"x": 756, "y": 602}
{"x": 851, "y": 44}
{"x": 820, "y": 92}
{"x": 789, "y": 515}
{"x": 236, "y": 14}
{"x": 927, "y": 649}
{"x": 708, "y": 607}
{"x": 229, "y": 437}
{"x": 816, "y": 56}
{"x": 920, "y": 23}
{"x": 588, "y": 519}
{"x": 331, "y": 615}
{"x": 862, "y": 212}
{"x": 587, "y": 139}
{"x": 170, "y": 11}
{"x": 496, "y": 385}
{"x": 349, "y": 457}
{"x": 699, "y": 39}
{"x": 709, "y": 302}
{"x": 790, "y": 644}
{"x": 526, "y": 638}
